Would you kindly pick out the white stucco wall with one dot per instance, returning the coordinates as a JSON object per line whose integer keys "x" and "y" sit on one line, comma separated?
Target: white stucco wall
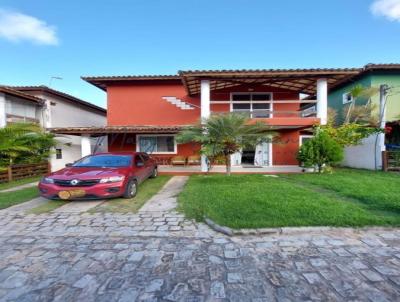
{"x": 363, "y": 156}
{"x": 64, "y": 113}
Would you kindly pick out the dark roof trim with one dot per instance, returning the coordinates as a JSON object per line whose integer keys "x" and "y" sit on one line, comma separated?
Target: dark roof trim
{"x": 45, "y": 89}
{"x": 268, "y": 71}
{"x": 26, "y": 96}
{"x": 102, "y": 81}
{"x": 367, "y": 69}
{"x": 97, "y": 131}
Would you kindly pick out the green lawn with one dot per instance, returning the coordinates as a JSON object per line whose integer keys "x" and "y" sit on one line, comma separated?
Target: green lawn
{"x": 146, "y": 190}
{"x": 255, "y": 201}
{"x": 12, "y": 184}
{"x": 9, "y": 199}
{"x": 377, "y": 190}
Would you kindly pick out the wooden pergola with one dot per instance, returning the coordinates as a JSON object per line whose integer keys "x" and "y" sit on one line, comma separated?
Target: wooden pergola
{"x": 296, "y": 80}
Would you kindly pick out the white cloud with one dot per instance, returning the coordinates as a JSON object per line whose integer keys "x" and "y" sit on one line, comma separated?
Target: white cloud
{"x": 17, "y": 27}
{"x": 389, "y": 9}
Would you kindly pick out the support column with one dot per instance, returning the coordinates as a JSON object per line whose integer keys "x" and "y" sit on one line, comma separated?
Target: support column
{"x": 85, "y": 145}
{"x": 3, "y": 116}
{"x": 322, "y": 100}
{"x": 380, "y": 145}
{"x": 205, "y": 113}
{"x": 47, "y": 122}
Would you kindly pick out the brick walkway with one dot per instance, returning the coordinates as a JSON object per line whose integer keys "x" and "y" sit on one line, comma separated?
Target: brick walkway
{"x": 163, "y": 257}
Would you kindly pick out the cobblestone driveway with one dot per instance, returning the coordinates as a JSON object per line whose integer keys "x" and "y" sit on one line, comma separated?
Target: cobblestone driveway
{"x": 162, "y": 257}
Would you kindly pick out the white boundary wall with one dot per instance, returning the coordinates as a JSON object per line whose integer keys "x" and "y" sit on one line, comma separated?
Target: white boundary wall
{"x": 363, "y": 156}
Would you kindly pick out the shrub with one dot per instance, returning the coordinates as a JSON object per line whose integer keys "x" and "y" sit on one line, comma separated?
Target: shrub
{"x": 320, "y": 151}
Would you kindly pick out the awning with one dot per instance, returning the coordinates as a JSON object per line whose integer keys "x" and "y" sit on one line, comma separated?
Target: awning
{"x": 100, "y": 131}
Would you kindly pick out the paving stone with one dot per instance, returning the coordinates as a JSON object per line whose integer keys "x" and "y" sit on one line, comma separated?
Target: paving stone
{"x": 177, "y": 293}
{"x": 371, "y": 275}
{"x": 84, "y": 281}
{"x": 136, "y": 256}
{"x": 217, "y": 290}
{"x": 154, "y": 285}
{"x": 17, "y": 279}
{"x": 312, "y": 278}
{"x": 234, "y": 278}
{"x": 318, "y": 262}
{"x": 128, "y": 295}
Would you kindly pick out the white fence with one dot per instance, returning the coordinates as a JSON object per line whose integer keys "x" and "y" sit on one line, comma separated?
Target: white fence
{"x": 365, "y": 156}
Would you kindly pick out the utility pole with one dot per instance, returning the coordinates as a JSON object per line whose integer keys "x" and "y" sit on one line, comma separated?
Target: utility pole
{"x": 383, "y": 90}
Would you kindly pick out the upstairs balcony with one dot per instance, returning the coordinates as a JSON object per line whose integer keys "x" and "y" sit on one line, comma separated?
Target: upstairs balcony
{"x": 273, "y": 108}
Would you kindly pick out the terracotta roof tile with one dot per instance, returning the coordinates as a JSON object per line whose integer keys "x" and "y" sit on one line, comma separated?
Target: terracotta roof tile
{"x": 12, "y": 91}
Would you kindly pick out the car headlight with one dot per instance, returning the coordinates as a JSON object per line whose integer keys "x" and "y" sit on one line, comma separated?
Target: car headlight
{"x": 111, "y": 179}
{"x": 47, "y": 180}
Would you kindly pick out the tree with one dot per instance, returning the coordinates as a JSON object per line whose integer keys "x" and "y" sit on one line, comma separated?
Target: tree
{"x": 226, "y": 134}
{"x": 350, "y": 134}
{"x": 320, "y": 151}
{"x": 361, "y": 114}
{"x": 24, "y": 142}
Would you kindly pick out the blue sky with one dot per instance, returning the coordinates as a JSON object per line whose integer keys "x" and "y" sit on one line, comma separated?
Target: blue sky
{"x": 75, "y": 38}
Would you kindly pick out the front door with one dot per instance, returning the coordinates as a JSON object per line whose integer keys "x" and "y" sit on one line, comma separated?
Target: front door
{"x": 261, "y": 157}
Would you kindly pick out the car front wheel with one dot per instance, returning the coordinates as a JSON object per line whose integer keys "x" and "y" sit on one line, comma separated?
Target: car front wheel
{"x": 131, "y": 189}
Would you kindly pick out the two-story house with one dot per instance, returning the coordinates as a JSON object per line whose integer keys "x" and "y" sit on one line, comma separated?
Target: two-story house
{"x": 144, "y": 113}
{"x": 339, "y": 97}
{"x": 51, "y": 108}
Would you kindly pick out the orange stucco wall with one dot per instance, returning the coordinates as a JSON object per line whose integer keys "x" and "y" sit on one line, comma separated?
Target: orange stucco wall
{"x": 142, "y": 104}
{"x": 284, "y": 151}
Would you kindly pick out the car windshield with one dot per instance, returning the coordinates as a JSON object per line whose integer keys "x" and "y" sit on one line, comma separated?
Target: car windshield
{"x": 112, "y": 161}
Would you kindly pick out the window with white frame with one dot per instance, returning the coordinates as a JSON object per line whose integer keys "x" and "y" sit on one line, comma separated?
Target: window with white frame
{"x": 154, "y": 144}
{"x": 257, "y": 104}
{"x": 347, "y": 97}
{"x": 304, "y": 138}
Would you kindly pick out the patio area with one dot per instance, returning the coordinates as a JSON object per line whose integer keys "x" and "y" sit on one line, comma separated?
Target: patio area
{"x": 188, "y": 170}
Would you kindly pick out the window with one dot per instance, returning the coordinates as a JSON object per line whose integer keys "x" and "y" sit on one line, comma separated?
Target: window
{"x": 154, "y": 144}
{"x": 347, "y": 98}
{"x": 258, "y": 105}
{"x": 112, "y": 161}
{"x": 58, "y": 153}
{"x": 139, "y": 159}
{"x": 304, "y": 138}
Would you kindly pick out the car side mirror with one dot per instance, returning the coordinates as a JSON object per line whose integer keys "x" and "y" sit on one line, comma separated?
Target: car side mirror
{"x": 140, "y": 164}
{"x": 69, "y": 164}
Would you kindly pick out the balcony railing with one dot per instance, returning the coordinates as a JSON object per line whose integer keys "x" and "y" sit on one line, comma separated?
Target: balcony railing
{"x": 267, "y": 113}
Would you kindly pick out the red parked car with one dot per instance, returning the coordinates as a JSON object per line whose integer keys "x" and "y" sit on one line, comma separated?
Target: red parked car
{"x": 99, "y": 176}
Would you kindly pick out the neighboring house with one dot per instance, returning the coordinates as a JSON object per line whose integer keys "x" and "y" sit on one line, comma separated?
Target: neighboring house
{"x": 368, "y": 155}
{"x": 144, "y": 113}
{"x": 17, "y": 106}
{"x": 52, "y": 108}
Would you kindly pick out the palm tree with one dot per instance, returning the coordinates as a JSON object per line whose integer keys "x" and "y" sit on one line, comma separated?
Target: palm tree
{"x": 24, "y": 142}
{"x": 226, "y": 134}
{"x": 361, "y": 114}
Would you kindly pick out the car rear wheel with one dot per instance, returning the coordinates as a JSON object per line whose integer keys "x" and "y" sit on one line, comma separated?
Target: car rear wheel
{"x": 131, "y": 189}
{"x": 154, "y": 174}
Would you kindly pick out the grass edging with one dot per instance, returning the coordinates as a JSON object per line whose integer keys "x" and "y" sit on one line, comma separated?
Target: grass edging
{"x": 285, "y": 230}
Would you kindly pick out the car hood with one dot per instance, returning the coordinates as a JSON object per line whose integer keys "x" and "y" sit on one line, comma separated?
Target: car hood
{"x": 87, "y": 173}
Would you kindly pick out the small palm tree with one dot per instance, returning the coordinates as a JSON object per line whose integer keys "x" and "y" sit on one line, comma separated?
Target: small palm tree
{"x": 361, "y": 114}
{"x": 24, "y": 142}
{"x": 226, "y": 134}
